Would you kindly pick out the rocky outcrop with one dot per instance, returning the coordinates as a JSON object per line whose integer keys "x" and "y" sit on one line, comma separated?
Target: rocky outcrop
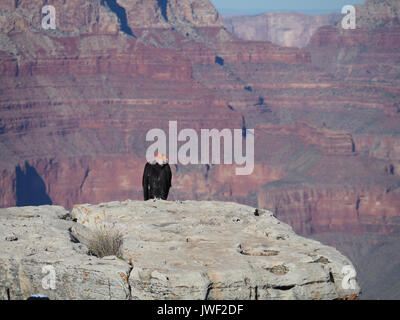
{"x": 36, "y": 243}
{"x": 377, "y": 13}
{"x": 167, "y": 13}
{"x": 171, "y": 250}
{"x": 72, "y": 18}
{"x": 288, "y": 29}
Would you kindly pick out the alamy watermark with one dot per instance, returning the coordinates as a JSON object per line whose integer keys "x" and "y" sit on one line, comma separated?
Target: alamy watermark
{"x": 349, "y": 280}
{"x": 349, "y": 21}
{"x": 49, "y": 20}
{"x": 188, "y": 153}
{"x": 49, "y": 280}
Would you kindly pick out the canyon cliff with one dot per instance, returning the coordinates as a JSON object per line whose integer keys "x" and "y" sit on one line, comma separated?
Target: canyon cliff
{"x": 77, "y": 102}
{"x": 287, "y": 29}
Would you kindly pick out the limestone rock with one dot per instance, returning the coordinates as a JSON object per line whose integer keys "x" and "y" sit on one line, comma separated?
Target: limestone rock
{"x": 172, "y": 250}
{"x": 216, "y": 250}
{"x": 43, "y": 245}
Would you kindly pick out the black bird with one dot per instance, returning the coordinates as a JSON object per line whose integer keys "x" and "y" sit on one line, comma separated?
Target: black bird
{"x": 157, "y": 178}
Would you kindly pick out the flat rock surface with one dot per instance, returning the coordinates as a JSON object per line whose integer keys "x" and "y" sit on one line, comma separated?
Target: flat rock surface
{"x": 171, "y": 250}
{"x": 44, "y": 245}
{"x": 216, "y": 250}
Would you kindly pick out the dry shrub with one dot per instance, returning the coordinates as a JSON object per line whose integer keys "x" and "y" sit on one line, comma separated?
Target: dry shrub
{"x": 106, "y": 241}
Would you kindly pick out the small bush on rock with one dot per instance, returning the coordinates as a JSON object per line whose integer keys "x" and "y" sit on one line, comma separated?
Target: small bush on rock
{"x": 106, "y": 242}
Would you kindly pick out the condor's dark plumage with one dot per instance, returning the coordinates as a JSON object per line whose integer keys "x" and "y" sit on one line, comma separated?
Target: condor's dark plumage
{"x": 156, "y": 181}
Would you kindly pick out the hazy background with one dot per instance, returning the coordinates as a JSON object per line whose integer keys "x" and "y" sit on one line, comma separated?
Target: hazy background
{"x": 233, "y": 7}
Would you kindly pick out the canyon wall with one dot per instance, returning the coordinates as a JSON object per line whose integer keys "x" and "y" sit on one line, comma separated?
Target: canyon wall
{"x": 288, "y": 29}
{"x": 76, "y": 104}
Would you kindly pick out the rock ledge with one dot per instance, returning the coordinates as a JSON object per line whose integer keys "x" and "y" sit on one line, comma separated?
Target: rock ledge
{"x": 172, "y": 250}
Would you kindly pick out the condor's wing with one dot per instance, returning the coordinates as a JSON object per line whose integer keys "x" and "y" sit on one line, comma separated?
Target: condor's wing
{"x": 145, "y": 181}
{"x": 166, "y": 181}
{"x": 168, "y": 176}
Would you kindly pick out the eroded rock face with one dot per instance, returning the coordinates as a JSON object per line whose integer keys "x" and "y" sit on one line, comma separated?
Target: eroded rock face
{"x": 376, "y": 13}
{"x": 362, "y": 53}
{"x": 72, "y": 17}
{"x": 171, "y": 250}
{"x": 34, "y": 238}
{"x": 164, "y": 13}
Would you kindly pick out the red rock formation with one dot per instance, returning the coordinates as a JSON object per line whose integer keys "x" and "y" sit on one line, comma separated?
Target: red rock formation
{"x": 376, "y": 13}
{"x": 72, "y": 17}
{"x": 318, "y": 209}
{"x": 368, "y": 53}
{"x": 156, "y": 14}
{"x": 8, "y": 64}
{"x": 327, "y": 141}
